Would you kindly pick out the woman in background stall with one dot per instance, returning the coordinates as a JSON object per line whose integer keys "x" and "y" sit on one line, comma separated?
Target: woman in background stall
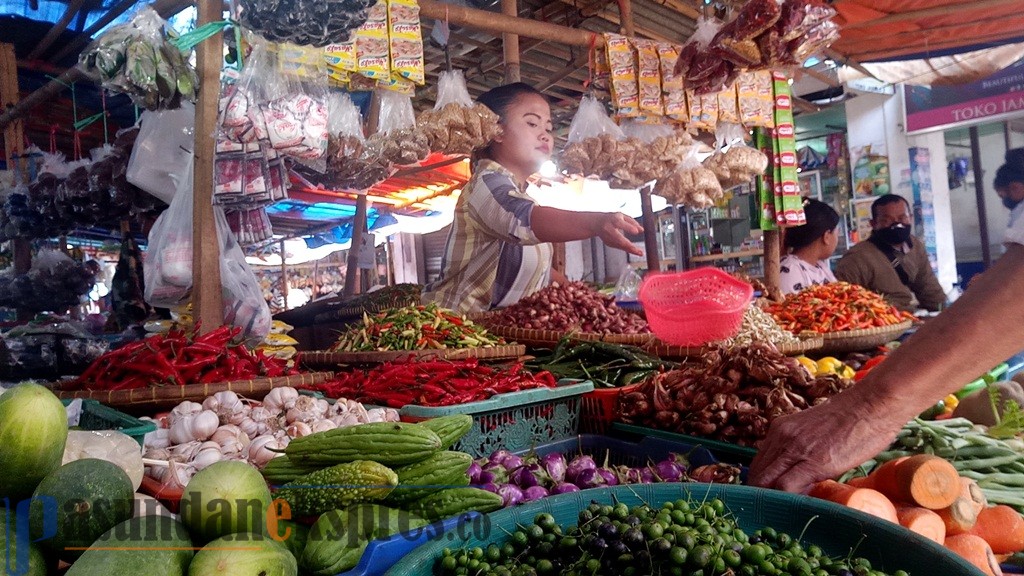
{"x": 809, "y": 247}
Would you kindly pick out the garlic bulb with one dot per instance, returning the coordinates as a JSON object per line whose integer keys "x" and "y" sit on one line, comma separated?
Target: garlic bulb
{"x": 281, "y": 399}
{"x": 377, "y": 415}
{"x": 157, "y": 454}
{"x": 230, "y": 439}
{"x": 259, "y": 451}
{"x": 206, "y": 457}
{"x": 307, "y": 409}
{"x": 267, "y": 421}
{"x": 347, "y": 419}
{"x": 186, "y": 408}
{"x": 185, "y": 452}
{"x": 299, "y": 429}
{"x": 177, "y": 475}
{"x": 226, "y": 404}
{"x": 323, "y": 425}
{"x": 241, "y": 415}
{"x": 249, "y": 426}
{"x": 194, "y": 427}
{"x": 159, "y": 438}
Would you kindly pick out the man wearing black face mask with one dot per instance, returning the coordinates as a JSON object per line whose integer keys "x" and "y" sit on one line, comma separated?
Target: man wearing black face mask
{"x": 892, "y": 262}
{"x": 1009, "y": 185}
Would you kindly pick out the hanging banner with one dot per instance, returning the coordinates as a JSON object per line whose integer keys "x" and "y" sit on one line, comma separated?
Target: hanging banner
{"x": 997, "y": 97}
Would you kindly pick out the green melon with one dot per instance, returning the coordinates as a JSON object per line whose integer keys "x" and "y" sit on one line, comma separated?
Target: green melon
{"x": 244, "y": 555}
{"x": 84, "y": 498}
{"x": 149, "y": 545}
{"x": 33, "y": 430}
{"x": 9, "y": 561}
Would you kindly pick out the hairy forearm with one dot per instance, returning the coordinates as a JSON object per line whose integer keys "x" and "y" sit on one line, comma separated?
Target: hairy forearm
{"x": 984, "y": 327}
{"x": 555, "y": 225}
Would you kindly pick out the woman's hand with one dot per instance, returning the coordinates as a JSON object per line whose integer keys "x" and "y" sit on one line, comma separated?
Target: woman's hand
{"x": 613, "y": 228}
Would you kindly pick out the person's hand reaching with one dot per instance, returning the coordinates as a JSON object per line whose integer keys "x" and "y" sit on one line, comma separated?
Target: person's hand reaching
{"x": 613, "y": 228}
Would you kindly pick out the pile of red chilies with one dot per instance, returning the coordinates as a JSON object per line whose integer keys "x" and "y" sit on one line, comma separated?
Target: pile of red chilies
{"x": 179, "y": 358}
{"x": 433, "y": 383}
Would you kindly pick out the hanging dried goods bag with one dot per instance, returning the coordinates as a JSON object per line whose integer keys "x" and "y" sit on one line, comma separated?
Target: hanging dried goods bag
{"x": 690, "y": 184}
{"x": 350, "y": 166}
{"x": 593, "y": 141}
{"x": 304, "y": 22}
{"x": 733, "y": 162}
{"x": 457, "y": 125}
{"x": 397, "y": 139}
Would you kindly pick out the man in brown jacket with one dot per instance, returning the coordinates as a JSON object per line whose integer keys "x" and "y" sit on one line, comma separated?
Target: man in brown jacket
{"x": 892, "y": 262}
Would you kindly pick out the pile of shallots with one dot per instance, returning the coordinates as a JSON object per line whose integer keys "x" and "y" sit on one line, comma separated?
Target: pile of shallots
{"x": 228, "y": 427}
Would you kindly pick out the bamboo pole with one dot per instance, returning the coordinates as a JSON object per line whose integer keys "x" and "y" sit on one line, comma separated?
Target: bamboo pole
{"x": 284, "y": 276}
{"x": 86, "y": 36}
{"x": 54, "y": 32}
{"x": 501, "y": 24}
{"x": 979, "y": 193}
{"x": 510, "y": 43}
{"x": 206, "y": 281}
{"x": 772, "y": 259}
{"x": 626, "y": 17}
{"x": 358, "y": 223}
{"x": 14, "y": 147}
{"x": 650, "y": 230}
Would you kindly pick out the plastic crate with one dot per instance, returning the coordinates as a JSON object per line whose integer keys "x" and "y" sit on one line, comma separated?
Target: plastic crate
{"x": 514, "y": 421}
{"x": 695, "y": 307}
{"x": 623, "y": 453}
{"x": 98, "y": 416}
{"x": 723, "y": 451}
{"x": 838, "y": 530}
{"x": 600, "y": 408}
{"x": 381, "y": 555}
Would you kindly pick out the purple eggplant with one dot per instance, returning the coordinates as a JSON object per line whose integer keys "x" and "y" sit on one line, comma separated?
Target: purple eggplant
{"x": 564, "y": 488}
{"x": 647, "y": 476}
{"x": 510, "y": 494}
{"x": 589, "y": 478}
{"x": 530, "y": 475}
{"x": 497, "y": 472}
{"x": 512, "y": 463}
{"x": 577, "y": 466}
{"x": 554, "y": 464}
{"x": 609, "y": 476}
{"x": 669, "y": 471}
{"x": 474, "y": 472}
{"x": 489, "y": 486}
{"x": 534, "y": 493}
{"x": 628, "y": 475}
{"x": 498, "y": 456}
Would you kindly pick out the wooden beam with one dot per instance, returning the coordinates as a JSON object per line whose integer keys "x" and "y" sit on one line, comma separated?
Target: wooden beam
{"x": 650, "y": 232}
{"x": 14, "y": 145}
{"x": 207, "y": 302}
{"x": 352, "y": 269}
{"x": 284, "y": 276}
{"x": 852, "y": 63}
{"x": 772, "y": 258}
{"x": 80, "y": 42}
{"x": 55, "y": 31}
{"x": 501, "y": 24}
{"x": 510, "y": 44}
{"x": 626, "y": 17}
{"x": 979, "y": 194}
{"x": 975, "y": 7}
{"x": 823, "y": 78}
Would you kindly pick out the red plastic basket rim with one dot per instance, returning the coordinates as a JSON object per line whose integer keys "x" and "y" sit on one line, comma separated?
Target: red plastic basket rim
{"x": 652, "y": 280}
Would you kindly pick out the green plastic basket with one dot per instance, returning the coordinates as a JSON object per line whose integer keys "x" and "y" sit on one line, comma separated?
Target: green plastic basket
{"x": 836, "y": 529}
{"x": 514, "y": 421}
{"x": 98, "y": 416}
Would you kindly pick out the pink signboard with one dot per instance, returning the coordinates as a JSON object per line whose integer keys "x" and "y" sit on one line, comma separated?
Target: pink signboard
{"x": 997, "y": 97}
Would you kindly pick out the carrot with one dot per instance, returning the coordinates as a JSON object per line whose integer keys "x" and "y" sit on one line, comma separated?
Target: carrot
{"x": 922, "y": 521}
{"x": 975, "y": 550}
{"x": 883, "y": 478}
{"x": 1002, "y": 527}
{"x": 864, "y": 499}
{"x": 959, "y": 517}
{"x": 970, "y": 490}
{"x": 927, "y": 481}
{"x": 861, "y": 482}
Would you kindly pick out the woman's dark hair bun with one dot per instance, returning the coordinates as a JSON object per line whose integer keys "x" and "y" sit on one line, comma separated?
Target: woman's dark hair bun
{"x": 821, "y": 218}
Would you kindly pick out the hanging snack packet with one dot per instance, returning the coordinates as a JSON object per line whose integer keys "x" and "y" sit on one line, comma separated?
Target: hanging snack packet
{"x": 649, "y": 69}
{"x": 349, "y": 166}
{"x": 341, "y": 57}
{"x": 787, "y": 187}
{"x": 397, "y": 140}
{"x": 593, "y": 141}
{"x": 672, "y": 94}
{"x": 690, "y": 184}
{"x": 457, "y": 125}
{"x": 655, "y": 151}
{"x": 624, "y": 87}
{"x": 372, "y": 50}
{"x": 756, "y": 99}
{"x": 728, "y": 106}
{"x": 406, "y": 40}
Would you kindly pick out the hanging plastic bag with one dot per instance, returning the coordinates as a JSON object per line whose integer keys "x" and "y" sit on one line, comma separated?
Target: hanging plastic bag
{"x": 456, "y": 125}
{"x": 593, "y": 144}
{"x": 167, "y": 267}
{"x": 350, "y": 165}
{"x": 690, "y": 184}
{"x": 645, "y": 131}
{"x": 397, "y": 140}
{"x": 734, "y": 163}
{"x": 244, "y": 306}
{"x": 162, "y": 151}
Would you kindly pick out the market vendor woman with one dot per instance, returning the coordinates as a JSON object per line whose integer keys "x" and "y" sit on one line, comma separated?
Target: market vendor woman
{"x": 498, "y": 249}
{"x": 809, "y": 248}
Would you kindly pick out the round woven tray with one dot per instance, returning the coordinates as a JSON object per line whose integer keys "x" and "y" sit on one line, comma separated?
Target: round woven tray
{"x": 323, "y": 359}
{"x": 548, "y": 338}
{"x": 858, "y": 340}
{"x": 156, "y": 397}
{"x": 667, "y": 352}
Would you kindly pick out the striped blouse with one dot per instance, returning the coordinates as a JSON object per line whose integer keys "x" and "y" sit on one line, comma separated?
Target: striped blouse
{"x": 492, "y": 258}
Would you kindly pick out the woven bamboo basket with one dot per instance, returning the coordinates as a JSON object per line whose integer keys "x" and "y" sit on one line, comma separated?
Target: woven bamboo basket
{"x": 323, "y": 359}
{"x": 859, "y": 340}
{"x": 549, "y": 338}
{"x": 667, "y": 352}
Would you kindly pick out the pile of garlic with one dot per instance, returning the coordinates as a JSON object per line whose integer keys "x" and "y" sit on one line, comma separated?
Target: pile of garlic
{"x": 228, "y": 427}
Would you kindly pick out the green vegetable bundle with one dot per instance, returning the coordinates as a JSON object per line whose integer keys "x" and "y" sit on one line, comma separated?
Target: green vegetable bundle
{"x": 415, "y": 327}
{"x": 606, "y": 365}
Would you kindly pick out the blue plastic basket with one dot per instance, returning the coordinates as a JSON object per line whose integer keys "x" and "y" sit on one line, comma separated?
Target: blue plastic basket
{"x": 623, "y": 453}
{"x": 838, "y": 530}
{"x": 723, "y": 451}
{"x": 381, "y": 555}
{"x": 98, "y": 416}
{"x": 514, "y": 421}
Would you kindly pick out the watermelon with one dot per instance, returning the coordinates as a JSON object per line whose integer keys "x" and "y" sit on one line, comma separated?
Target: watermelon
{"x": 9, "y": 561}
{"x": 33, "y": 431}
{"x": 150, "y": 545}
{"x": 78, "y": 503}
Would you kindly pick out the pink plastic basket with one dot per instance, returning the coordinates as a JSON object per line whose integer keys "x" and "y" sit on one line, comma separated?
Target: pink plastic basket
{"x": 695, "y": 307}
